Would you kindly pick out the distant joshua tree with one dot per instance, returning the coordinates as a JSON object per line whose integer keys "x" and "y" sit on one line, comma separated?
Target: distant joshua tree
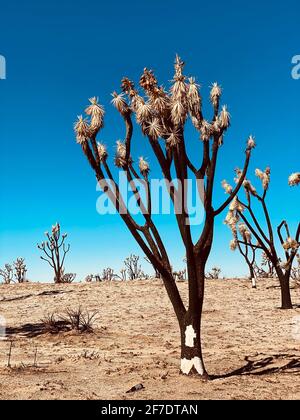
{"x": 214, "y": 274}
{"x": 133, "y": 267}
{"x": 180, "y": 275}
{"x": 267, "y": 269}
{"x": 7, "y": 274}
{"x": 68, "y": 278}
{"x": 91, "y": 277}
{"x": 162, "y": 117}
{"x": 240, "y": 211}
{"x": 108, "y": 274}
{"x": 55, "y": 251}
{"x": 20, "y": 270}
{"x": 296, "y": 270}
{"x": 123, "y": 273}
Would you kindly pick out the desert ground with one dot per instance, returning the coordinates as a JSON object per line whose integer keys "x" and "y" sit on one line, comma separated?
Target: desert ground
{"x": 251, "y": 347}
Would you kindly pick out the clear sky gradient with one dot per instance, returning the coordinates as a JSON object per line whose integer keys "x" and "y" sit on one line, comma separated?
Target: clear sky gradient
{"x": 60, "y": 53}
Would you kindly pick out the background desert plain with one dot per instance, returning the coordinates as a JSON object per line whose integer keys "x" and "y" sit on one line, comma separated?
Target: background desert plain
{"x": 251, "y": 347}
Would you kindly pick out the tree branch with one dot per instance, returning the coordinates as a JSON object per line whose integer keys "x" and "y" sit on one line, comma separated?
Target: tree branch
{"x": 239, "y": 185}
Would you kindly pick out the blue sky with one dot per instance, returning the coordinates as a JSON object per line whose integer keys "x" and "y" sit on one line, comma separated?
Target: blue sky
{"x": 60, "y": 53}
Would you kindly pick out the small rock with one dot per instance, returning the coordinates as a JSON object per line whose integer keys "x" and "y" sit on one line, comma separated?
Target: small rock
{"x": 136, "y": 388}
{"x": 164, "y": 376}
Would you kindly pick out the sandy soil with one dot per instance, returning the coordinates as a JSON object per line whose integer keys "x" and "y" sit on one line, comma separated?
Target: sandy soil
{"x": 136, "y": 340}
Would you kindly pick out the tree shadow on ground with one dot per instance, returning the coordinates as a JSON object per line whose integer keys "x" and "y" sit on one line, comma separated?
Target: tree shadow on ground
{"x": 47, "y": 293}
{"x": 35, "y": 330}
{"x": 277, "y": 363}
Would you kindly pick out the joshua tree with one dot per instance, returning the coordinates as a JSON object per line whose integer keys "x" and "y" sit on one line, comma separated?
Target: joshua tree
{"x": 296, "y": 270}
{"x": 269, "y": 270}
{"x": 108, "y": 274}
{"x": 55, "y": 251}
{"x": 240, "y": 211}
{"x": 20, "y": 270}
{"x": 134, "y": 270}
{"x": 91, "y": 277}
{"x": 214, "y": 274}
{"x": 162, "y": 117}
{"x": 123, "y": 273}
{"x": 179, "y": 275}
{"x": 7, "y": 273}
{"x": 68, "y": 278}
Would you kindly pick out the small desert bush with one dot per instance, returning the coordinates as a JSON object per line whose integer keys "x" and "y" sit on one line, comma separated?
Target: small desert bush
{"x": 53, "y": 325}
{"x": 79, "y": 320}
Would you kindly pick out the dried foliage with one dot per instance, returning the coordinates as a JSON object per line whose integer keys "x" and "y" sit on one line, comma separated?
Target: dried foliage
{"x": 294, "y": 179}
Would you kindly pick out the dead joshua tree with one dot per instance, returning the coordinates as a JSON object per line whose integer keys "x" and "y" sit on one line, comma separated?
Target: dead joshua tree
{"x": 162, "y": 117}
{"x": 108, "y": 274}
{"x": 7, "y": 274}
{"x": 68, "y": 278}
{"x": 296, "y": 270}
{"x": 123, "y": 273}
{"x": 265, "y": 240}
{"x": 179, "y": 275}
{"x": 268, "y": 271}
{"x": 55, "y": 251}
{"x": 91, "y": 277}
{"x": 20, "y": 270}
{"x": 214, "y": 274}
{"x": 134, "y": 269}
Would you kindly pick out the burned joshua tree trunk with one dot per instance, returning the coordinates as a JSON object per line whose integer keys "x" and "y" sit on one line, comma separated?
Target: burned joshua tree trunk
{"x": 240, "y": 211}
{"x": 162, "y": 117}
{"x": 55, "y": 251}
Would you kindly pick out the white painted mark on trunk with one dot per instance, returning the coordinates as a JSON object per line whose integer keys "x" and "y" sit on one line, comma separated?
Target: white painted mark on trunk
{"x": 254, "y": 282}
{"x": 188, "y": 365}
{"x": 190, "y": 335}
